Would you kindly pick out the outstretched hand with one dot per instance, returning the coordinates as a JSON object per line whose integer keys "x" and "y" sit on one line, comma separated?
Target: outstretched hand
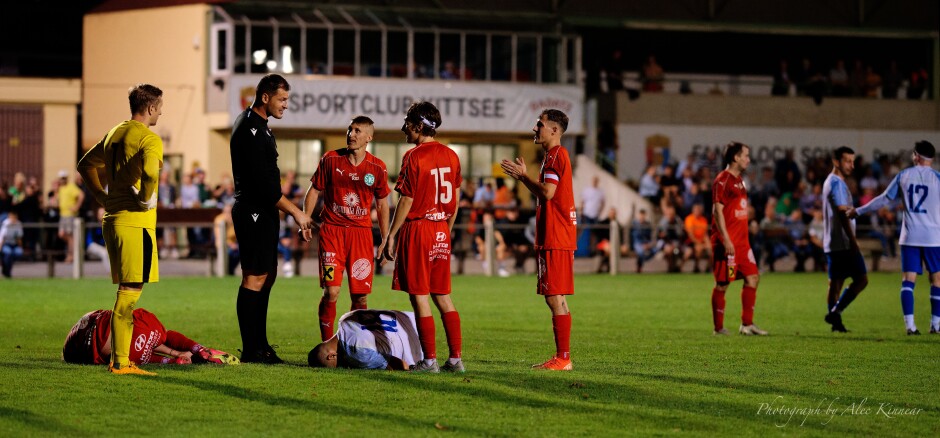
{"x": 515, "y": 169}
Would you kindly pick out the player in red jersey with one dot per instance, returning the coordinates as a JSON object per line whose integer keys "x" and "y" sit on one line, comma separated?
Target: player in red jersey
{"x": 555, "y": 228}
{"x": 89, "y": 342}
{"x": 429, "y": 184}
{"x": 349, "y": 180}
{"x": 732, "y": 257}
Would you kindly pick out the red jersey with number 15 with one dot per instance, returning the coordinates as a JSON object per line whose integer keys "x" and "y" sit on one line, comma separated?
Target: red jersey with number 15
{"x": 556, "y": 220}
{"x": 729, "y": 191}
{"x": 348, "y": 190}
{"x": 430, "y": 174}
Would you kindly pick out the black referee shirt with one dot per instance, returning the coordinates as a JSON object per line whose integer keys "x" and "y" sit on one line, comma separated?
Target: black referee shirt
{"x": 254, "y": 161}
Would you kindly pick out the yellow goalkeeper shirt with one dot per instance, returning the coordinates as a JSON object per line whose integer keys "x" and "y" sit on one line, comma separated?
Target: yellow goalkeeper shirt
{"x": 127, "y": 160}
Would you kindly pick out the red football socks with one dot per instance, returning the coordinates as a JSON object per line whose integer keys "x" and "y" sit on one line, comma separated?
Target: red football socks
{"x": 452, "y": 330}
{"x": 561, "y": 325}
{"x": 718, "y": 308}
{"x": 427, "y": 335}
{"x": 327, "y": 313}
{"x": 748, "y": 298}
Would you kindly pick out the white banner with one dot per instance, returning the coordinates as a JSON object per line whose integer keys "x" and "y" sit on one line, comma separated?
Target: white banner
{"x": 488, "y": 107}
{"x": 640, "y": 144}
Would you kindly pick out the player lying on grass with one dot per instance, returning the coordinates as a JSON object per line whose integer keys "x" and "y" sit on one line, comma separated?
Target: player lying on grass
{"x": 89, "y": 342}
{"x": 371, "y": 339}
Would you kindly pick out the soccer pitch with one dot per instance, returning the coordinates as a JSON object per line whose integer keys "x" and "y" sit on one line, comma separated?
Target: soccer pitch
{"x": 645, "y": 362}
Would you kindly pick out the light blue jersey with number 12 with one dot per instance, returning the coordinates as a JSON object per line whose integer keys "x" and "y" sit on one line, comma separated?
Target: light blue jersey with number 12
{"x": 918, "y": 188}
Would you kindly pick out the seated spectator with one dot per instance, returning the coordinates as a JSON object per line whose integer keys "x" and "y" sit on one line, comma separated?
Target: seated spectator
{"x": 649, "y": 185}
{"x": 815, "y": 232}
{"x": 671, "y": 236}
{"x": 652, "y": 76}
{"x": 11, "y": 237}
{"x": 514, "y": 240}
{"x": 917, "y": 84}
{"x": 641, "y": 239}
{"x": 699, "y": 244}
{"x": 872, "y": 82}
{"x": 839, "y": 80}
{"x": 781, "y": 85}
{"x": 893, "y": 80}
{"x": 774, "y": 235}
{"x": 799, "y": 237}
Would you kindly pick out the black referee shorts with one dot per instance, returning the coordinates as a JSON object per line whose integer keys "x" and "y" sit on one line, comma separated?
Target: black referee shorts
{"x": 256, "y": 230}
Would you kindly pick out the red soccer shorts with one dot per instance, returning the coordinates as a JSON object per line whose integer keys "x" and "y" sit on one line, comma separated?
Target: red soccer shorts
{"x": 422, "y": 258}
{"x": 346, "y": 249}
{"x": 555, "y": 272}
{"x": 744, "y": 266}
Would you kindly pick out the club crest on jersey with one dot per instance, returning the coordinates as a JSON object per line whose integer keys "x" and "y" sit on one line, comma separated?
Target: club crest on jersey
{"x": 369, "y": 179}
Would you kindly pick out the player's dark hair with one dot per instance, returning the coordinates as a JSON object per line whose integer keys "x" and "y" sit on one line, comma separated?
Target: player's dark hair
{"x": 141, "y": 96}
{"x": 925, "y": 149}
{"x": 556, "y": 116}
{"x": 269, "y": 85}
{"x": 840, "y": 151}
{"x": 361, "y": 120}
{"x": 425, "y": 116}
{"x": 732, "y": 150}
{"x": 313, "y": 358}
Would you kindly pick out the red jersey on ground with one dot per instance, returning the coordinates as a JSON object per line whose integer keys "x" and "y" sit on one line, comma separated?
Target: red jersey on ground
{"x": 84, "y": 341}
{"x": 430, "y": 174}
{"x": 729, "y": 191}
{"x": 556, "y": 220}
{"x": 347, "y": 190}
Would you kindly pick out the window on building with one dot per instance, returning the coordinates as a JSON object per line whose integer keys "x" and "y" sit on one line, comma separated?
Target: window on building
{"x": 301, "y": 156}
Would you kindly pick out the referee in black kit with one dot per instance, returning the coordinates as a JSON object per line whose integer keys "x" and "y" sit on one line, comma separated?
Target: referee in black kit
{"x": 255, "y": 213}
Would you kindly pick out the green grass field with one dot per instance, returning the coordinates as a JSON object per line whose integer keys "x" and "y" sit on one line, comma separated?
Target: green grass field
{"x": 645, "y": 364}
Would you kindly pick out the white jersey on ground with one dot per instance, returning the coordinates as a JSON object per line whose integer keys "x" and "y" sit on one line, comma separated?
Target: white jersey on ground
{"x": 835, "y": 194}
{"x": 918, "y": 188}
{"x": 367, "y": 338}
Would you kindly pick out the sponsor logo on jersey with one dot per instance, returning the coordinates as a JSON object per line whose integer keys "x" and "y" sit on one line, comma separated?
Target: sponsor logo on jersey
{"x": 441, "y": 236}
{"x": 352, "y": 207}
{"x": 361, "y": 269}
{"x": 328, "y": 273}
{"x": 369, "y": 179}
{"x": 436, "y": 216}
{"x": 354, "y": 176}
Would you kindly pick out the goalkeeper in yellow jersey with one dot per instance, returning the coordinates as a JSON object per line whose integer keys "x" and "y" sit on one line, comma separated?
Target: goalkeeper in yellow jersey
{"x": 122, "y": 172}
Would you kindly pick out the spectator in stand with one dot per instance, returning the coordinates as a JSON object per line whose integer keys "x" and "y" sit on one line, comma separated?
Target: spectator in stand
{"x": 71, "y": 197}
{"x": 225, "y": 191}
{"x": 11, "y": 240}
{"x": 815, "y": 232}
{"x": 483, "y": 196}
{"x": 649, "y": 185}
{"x": 285, "y": 242}
{"x": 810, "y": 202}
{"x": 592, "y": 204}
{"x": 641, "y": 239}
{"x": 503, "y": 200}
{"x": 168, "y": 199}
{"x": 799, "y": 237}
{"x": 917, "y": 84}
{"x": 893, "y": 80}
{"x": 199, "y": 179}
{"x": 652, "y": 76}
{"x": 781, "y": 85}
{"x": 514, "y": 238}
{"x": 774, "y": 235}
{"x": 671, "y": 234}
{"x": 450, "y": 70}
{"x": 809, "y": 81}
{"x": 17, "y": 192}
{"x": 290, "y": 189}
{"x": 607, "y": 146}
{"x": 670, "y": 187}
{"x": 614, "y": 70}
{"x": 709, "y": 160}
{"x": 687, "y": 165}
{"x": 787, "y": 173}
{"x": 872, "y": 82}
{"x": 696, "y": 228}
{"x": 839, "y": 80}
{"x": 858, "y": 79}
{"x": 30, "y": 212}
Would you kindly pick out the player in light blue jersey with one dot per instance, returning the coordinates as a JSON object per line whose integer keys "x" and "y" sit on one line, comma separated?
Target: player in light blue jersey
{"x": 918, "y": 188}
{"x": 841, "y": 248}
{"x": 370, "y": 339}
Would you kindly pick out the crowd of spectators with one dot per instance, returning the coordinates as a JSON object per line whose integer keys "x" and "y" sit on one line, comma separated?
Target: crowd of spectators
{"x": 861, "y": 80}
